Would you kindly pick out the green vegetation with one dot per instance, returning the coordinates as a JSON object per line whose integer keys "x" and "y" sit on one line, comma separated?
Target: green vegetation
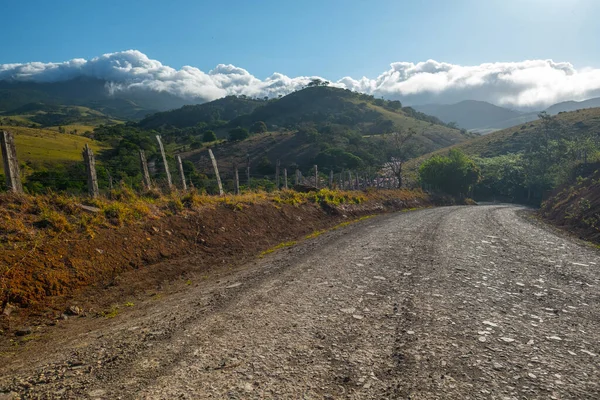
{"x": 576, "y": 205}
{"x": 279, "y": 246}
{"x": 238, "y": 134}
{"x": 208, "y": 115}
{"x": 333, "y": 128}
{"x": 525, "y": 163}
{"x": 209, "y": 136}
{"x": 258, "y": 127}
{"x": 43, "y": 149}
{"x": 455, "y": 174}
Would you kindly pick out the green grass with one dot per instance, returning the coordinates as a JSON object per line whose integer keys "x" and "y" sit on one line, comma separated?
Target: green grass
{"x": 48, "y": 147}
{"x": 279, "y": 246}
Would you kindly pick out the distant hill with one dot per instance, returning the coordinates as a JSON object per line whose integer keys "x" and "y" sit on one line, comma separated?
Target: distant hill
{"x": 484, "y": 117}
{"x": 52, "y": 115}
{"x": 573, "y": 105}
{"x": 88, "y": 92}
{"x": 470, "y": 114}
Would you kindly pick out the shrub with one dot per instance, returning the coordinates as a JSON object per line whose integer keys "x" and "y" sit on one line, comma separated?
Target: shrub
{"x": 258, "y": 127}
{"x": 455, "y": 174}
{"x": 238, "y": 134}
{"x": 209, "y": 136}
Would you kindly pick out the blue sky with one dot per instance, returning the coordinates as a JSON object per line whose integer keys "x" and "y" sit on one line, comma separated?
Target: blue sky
{"x": 330, "y": 38}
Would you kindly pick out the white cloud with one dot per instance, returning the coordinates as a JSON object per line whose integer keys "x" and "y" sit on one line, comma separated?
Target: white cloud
{"x": 526, "y": 84}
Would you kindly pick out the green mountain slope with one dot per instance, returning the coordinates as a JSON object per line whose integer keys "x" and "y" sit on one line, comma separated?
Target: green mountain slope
{"x": 513, "y": 140}
{"x": 224, "y": 109}
{"x": 328, "y": 105}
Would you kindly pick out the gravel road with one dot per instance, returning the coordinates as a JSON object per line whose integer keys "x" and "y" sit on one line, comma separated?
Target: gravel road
{"x": 470, "y": 302}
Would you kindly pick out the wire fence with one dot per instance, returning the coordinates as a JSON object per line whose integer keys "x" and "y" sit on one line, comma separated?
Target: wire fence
{"x": 159, "y": 174}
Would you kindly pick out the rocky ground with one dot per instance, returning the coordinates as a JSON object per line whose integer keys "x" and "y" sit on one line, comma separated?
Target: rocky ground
{"x": 458, "y": 302}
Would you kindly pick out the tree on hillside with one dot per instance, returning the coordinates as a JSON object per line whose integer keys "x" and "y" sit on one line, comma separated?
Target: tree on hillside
{"x": 402, "y": 151}
{"x": 394, "y": 105}
{"x": 308, "y": 134}
{"x": 209, "y": 136}
{"x": 317, "y": 82}
{"x": 258, "y": 127}
{"x": 238, "y": 134}
{"x": 545, "y": 155}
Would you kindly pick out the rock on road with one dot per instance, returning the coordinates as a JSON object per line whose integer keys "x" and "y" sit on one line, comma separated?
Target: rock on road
{"x": 448, "y": 303}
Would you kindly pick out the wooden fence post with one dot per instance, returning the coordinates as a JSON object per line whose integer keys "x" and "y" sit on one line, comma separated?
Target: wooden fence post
{"x": 316, "y": 176}
{"x": 90, "y": 169}
{"x": 236, "y": 179}
{"x": 297, "y": 176}
{"x": 11, "y": 166}
{"x": 285, "y": 178}
{"x": 331, "y": 179}
{"x": 248, "y": 171}
{"x": 164, "y": 157}
{"x": 277, "y": 166}
{"x": 181, "y": 173}
{"x": 350, "y": 185}
{"x": 214, "y": 163}
{"x": 145, "y": 172}
{"x": 110, "y": 180}
{"x": 357, "y": 181}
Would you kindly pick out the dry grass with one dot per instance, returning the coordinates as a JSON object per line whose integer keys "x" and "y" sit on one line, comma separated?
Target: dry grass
{"x": 27, "y": 218}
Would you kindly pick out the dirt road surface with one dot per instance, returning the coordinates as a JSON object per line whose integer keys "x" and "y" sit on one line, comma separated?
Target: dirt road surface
{"x": 446, "y": 303}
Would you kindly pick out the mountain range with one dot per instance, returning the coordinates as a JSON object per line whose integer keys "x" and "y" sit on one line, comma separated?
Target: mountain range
{"x": 483, "y": 117}
{"x": 136, "y": 104}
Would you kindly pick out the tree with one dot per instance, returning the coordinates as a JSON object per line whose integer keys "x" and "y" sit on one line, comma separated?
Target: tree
{"x": 317, "y": 82}
{"x": 402, "y": 151}
{"x": 258, "y": 127}
{"x": 394, "y": 105}
{"x": 238, "y": 134}
{"x": 209, "y": 136}
{"x": 455, "y": 174}
{"x": 308, "y": 134}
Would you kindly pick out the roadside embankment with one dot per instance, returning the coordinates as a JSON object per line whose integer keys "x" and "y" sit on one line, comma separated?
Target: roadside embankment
{"x": 576, "y": 208}
{"x": 55, "y": 251}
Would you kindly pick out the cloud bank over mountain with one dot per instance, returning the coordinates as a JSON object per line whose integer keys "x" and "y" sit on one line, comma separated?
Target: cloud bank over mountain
{"x": 526, "y": 84}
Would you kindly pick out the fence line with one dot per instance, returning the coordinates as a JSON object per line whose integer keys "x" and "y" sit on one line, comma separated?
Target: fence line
{"x": 347, "y": 179}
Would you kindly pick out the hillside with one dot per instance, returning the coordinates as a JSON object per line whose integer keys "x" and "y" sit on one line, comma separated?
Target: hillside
{"x": 576, "y": 206}
{"x": 43, "y": 148}
{"x": 224, "y": 109}
{"x": 328, "y": 105}
{"x": 526, "y": 163}
{"x": 332, "y": 127}
{"x": 513, "y": 140}
{"x": 470, "y": 114}
{"x": 70, "y": 119}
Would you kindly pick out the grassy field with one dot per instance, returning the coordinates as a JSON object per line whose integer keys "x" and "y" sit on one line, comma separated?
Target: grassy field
{"x": 44, "y": 146}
